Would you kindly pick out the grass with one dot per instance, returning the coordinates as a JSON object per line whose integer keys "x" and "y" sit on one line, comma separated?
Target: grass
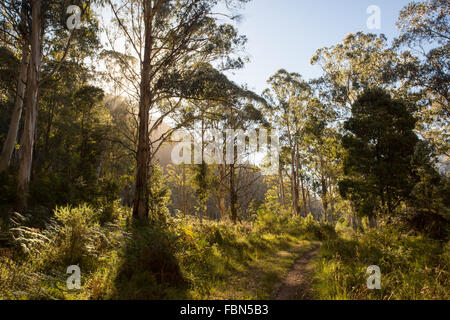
{"x": 185, "y": 258}
{"x": 256, "y": 280}
{"x": 182, "y": 258}
{"x": 413, "y": 267}
{"x": 243, "y": 262}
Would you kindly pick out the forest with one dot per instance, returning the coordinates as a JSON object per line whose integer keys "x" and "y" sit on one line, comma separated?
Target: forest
{"x": 133, "y": 168}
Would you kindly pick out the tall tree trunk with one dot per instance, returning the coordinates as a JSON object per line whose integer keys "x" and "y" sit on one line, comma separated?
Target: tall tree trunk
{"x": 294, "y": 187}
{"x": 303, "y": 194}
{"x": 373, "y": 222}
{"x": 309, "y": 200}
{"x": 204, "y": 172}
{"x": 355, "y": 220}
{"x": 300, "y": 184}
{"x": 324, "y": 189}
{"x": 332, "y": 199}
{"x": 183, "y": 191}
{"x": 325, "y": 207}
{"x": 222, "y": 206}
{"x": 282, "y": 191}
{"x": 11, "y": 138}
{"x": 233, "y": 195}
{"x": 222, "y": 193}
{"x": 294, "y": 182}
{"x": 27, "y": 141}
{"x": 141, "y": 194}
{"x": 325, "y": 199}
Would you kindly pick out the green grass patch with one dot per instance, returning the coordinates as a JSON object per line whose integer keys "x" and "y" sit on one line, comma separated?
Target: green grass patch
{"x": 413, "y": 267}
{"x": 182, "y": 258}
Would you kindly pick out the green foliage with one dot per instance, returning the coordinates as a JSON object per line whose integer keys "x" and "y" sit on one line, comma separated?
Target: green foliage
{"x": 272, "y": 203}
{"x": 8, "y": 79}
{"x": 148, "y": 268}
{"x": 379, "y": 149}
{"x": 182, "y": 258}
{"x": 305, "y": 228}
{"x": 87, "y": 141}
{"x": 202, "y": 184}
{"x": 159, "y": 195}
{"x": 412, "y": 267}
{"x": 359, "y": 62}
{"x": 428, "y": 207}
{"x": 8, "y": 188}
{"x": 75, "y": 237}
{"x": 424, "y": 30}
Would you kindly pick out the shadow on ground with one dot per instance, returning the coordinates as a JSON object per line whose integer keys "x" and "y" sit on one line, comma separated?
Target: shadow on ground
{"x": 149, "y": 269}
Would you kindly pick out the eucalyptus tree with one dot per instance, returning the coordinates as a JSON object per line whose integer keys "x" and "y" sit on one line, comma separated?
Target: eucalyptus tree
{"x": 244, "y": 113}
{"x": 168, "y": 38}
{"x": 425, "y": 32}
{"x": 238, "y": 112}
{"x": 322, "y": 149}
{"x": 41, "y": 27}
{"x": 14, "y": 16}
{"x": 214, "y": 176}
{"x": 180, "y": 181}
{"x": 31, "y": 98}
{"x": 288, "y": 96}
{"x": 9, "y": 64}
{"x": 360, "y": 62}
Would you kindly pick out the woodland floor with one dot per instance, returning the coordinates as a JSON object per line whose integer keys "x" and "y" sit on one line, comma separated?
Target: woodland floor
{"x": 297, "y": 284}
{"x": 261, "y": 278}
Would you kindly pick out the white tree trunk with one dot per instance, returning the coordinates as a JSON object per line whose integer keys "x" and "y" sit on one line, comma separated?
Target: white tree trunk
{"x": 11, "y": 138}
{"x": 27, "y": 141}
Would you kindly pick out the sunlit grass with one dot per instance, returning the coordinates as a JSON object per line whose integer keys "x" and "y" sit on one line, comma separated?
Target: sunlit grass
{"x": 412, "y": 267}
{"x": 184, "y": 258}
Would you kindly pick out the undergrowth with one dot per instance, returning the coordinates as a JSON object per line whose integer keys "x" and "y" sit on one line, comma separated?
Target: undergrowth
{"x": 413, "y": 267}
{"x": 182, "y": 258}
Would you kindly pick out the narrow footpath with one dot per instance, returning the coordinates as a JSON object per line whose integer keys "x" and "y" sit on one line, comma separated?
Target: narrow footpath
{"x": 297, "y": 284}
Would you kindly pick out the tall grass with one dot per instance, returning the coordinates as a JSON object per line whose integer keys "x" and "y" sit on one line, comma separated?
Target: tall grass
{"x": 413, "y": 267}
{"x": 182, "y": 258}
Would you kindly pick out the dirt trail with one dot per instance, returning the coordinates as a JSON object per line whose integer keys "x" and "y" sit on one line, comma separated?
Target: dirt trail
{"x": 297, "y": 284}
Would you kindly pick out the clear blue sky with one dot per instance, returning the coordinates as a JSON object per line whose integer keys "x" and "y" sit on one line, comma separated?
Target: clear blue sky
{"x": 286, "y": 33}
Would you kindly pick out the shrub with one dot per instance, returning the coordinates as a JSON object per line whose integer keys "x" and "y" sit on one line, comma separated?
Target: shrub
{"x": 148, "y": 265}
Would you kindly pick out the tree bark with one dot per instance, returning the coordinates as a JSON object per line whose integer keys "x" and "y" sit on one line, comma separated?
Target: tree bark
{"x": 222, "y": 192}
{"x": 324, "y": 199}
{"x": 27, "y": 141}
{"x": 303, "y": 194}
{"x": 11, "y": 138}
{"x": 300, "y": 181}
{"x": 222, "y": 206}
{"x": 294, "y": 186}
{"x": 282, "y": 191}
{"x": 332, "y": 199}
{"x": 233, "y": 195}
{"x": 373, "y": 222}
{"x": 324, "y": 189}
{"x": 141, "y": 194}
{"x": 309, "y": 200}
